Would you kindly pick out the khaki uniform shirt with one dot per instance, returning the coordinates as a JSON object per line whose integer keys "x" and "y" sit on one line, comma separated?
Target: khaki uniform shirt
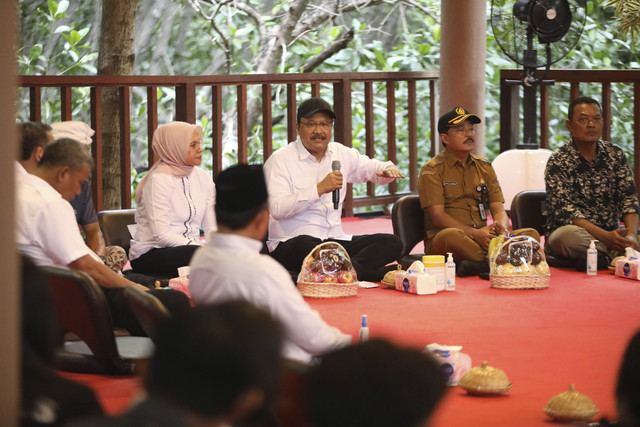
{"x": 445, "y": 180}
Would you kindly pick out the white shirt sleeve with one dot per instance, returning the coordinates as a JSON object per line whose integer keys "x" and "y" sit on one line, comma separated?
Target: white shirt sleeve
{"x": 209, "y": 223}
{"x": 361, "y": 168}
{"x": 58, "y": 233}
{"x": 304, "y": 326}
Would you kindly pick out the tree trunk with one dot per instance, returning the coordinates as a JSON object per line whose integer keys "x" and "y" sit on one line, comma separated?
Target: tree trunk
{"x": 116, "y": 57}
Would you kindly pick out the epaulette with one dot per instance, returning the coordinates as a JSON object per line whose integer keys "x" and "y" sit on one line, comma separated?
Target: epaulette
{"x": 437, "y": 160}
{"x": 480, "y": 158}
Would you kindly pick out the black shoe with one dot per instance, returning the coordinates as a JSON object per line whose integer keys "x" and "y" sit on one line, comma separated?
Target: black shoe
{"x": 603, "y": 262}
{"x": 472, "y": 268}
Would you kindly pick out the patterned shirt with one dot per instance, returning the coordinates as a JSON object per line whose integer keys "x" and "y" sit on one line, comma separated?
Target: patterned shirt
{"x": 601, "y": 191}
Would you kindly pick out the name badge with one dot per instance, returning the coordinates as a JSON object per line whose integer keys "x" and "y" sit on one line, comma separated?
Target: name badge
{"x": 449, "y": 183}
{"x": 483, "y": 213}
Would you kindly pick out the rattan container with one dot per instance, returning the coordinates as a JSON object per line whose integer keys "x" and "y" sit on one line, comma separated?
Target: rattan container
{"x": 327, "y": 272}
{"x": 389, "y": 279}
{"x": 571, "y": 406}
{"x": 485, "y": 380}
{"x": 518, "y": 263}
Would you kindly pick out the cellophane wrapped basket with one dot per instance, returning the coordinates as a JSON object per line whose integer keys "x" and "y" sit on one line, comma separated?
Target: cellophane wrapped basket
{"x": 327, "y": 272}
{"x": 518, "y": 263}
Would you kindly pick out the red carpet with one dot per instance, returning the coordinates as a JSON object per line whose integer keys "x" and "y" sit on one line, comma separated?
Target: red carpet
{"x": 573, "y": 332}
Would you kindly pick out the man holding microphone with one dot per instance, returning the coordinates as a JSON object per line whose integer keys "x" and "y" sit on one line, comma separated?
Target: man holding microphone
{"x": 304, "y": 180}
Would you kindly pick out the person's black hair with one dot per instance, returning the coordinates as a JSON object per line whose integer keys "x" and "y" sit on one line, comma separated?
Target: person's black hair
{"x": 32, "y": 135}
{"x": 206, "y": 358}
{"x": 66, "y": 152}
{"x": 238, "y": 220}
{"x": 373, "y": 384}
{"x": 581, "y": 100}
{"x": 628, "y": 386}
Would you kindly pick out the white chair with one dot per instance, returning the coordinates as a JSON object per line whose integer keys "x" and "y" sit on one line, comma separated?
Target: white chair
{"x": 520, "y": 170}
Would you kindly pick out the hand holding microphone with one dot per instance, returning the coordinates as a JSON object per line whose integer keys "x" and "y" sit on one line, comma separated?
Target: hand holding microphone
{"x": 332, "y": 183}
{"x": 335, "y": 167}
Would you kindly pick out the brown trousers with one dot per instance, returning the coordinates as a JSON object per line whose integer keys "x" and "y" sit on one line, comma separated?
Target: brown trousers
{"x": 462, "y": 246}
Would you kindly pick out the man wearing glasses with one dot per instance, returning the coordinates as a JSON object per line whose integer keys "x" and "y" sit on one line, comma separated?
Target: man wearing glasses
{"x": 301, "y": 179}
{"x": 458, "y": 191}
{"x": 590, "y": 189}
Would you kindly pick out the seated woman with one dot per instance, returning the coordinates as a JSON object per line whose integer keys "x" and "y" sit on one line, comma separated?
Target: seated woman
{"x": 174, "y": 201}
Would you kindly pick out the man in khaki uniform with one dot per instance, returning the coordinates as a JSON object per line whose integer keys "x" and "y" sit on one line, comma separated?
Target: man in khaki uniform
{"x": 458, "y": 191}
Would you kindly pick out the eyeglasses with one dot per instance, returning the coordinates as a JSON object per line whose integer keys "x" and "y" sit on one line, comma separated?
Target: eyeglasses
{"x": 464, "y": 129}
{"x": 584, "y": 120}
{"x": 322, "y": 125}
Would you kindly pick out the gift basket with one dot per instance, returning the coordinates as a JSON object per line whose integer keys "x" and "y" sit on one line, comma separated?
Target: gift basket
{"x": 517, "y": 263}
{"x": 327, "y": 272}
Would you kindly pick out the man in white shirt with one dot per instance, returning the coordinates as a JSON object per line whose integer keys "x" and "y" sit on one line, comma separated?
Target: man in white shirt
{"x": 47, "y": 231}
{"x": 301, "y": 182}
{"x": 230, "y": 266}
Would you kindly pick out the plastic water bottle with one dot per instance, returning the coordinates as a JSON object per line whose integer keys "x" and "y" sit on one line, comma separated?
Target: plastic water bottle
{"x": 450, "y": 274}
{"x": 592, "y": 259}
{"x": 363, "y": 336}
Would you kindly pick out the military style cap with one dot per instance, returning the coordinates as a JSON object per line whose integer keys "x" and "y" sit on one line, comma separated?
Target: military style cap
{"x": 454, "y": 117}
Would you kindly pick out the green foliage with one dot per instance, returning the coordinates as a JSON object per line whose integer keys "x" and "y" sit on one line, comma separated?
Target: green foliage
{"x": 48, "y": 25}
{"x": 61, "y": 38}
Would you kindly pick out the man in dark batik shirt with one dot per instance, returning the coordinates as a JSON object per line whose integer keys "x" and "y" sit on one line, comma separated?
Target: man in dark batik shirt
{"x": 590, "y": 189}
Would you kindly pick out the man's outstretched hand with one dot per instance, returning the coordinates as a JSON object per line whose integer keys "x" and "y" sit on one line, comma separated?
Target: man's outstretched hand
{"x": 391, "y": 172}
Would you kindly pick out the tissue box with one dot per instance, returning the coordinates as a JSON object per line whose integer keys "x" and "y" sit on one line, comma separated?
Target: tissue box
{"x": 628, "y": 268}
{"x": 419, "y": 284}
{"x": 180, "y": 284}
{"x": 459, "y": 362}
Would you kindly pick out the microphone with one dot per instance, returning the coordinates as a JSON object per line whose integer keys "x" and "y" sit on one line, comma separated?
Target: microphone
{"x": 335, "y": 167}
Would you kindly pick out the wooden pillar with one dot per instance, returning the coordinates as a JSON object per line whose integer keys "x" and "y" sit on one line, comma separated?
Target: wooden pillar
{"x": 9, "y": 265}
{"x": 463, "y": 39}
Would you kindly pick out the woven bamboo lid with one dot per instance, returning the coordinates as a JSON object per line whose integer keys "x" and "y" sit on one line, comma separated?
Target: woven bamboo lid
{"x": 485, "y": 380}
{"x": 571, "y": 406}
{"x": 389, "y": 279}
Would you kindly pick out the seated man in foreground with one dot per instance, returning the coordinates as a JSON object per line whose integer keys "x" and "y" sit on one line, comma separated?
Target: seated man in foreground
{"x": 230, "y": 266}
{"x": 213, "y": 366}
{"x": 302, "y": 177}
{"x": 374, "y": 384}
{"x": 590, "y": 188}
{"x": 47, "y": 231}
{"x": 458, "y": 190}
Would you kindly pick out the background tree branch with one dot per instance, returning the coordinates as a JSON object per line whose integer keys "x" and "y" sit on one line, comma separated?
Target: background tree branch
{"x": 337, "y": 45}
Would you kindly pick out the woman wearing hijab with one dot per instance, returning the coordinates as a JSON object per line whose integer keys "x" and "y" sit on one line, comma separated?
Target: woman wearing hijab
{"x": 174, "y": 201}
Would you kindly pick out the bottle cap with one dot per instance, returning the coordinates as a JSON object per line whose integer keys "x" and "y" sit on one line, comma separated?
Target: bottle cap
{"x": 592, "y": 245}
{"x": 450, "y": 257}
{"x": 364, "y": 320}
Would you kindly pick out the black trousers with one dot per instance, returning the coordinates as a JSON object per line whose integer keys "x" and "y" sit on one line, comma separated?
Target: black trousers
{"x": 369, "y": 253}
{"x": 164, "y": 262}
{"x": 175, "y": 301}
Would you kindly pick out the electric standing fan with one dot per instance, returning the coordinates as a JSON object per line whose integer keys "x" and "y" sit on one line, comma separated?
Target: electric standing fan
{"x": 536, "y": 34}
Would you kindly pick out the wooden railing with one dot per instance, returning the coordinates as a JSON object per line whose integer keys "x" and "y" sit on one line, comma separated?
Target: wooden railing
{"x": 575, "y": 80}
{"x": 343, "y": 84}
